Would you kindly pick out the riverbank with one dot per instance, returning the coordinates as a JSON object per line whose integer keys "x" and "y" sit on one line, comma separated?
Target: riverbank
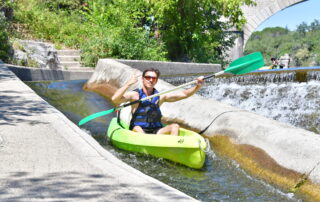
{"x": 45, "y": 157}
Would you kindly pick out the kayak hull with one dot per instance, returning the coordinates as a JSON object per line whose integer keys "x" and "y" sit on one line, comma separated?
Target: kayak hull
{"x": 188, "y": 148}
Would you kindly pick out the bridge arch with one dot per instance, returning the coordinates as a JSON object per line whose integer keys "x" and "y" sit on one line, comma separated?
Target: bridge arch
{"x": 256, "y": 15}
{"x": 264, "y": 9}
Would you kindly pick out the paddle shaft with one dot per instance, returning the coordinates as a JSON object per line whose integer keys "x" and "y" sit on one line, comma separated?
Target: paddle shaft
{"x": 241, "y": 65}
{"x": 103, "y": 113}
{"x": 168, "y": 91}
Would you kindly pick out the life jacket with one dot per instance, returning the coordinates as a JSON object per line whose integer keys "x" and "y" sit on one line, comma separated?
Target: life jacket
{"x": 148, "y": 114}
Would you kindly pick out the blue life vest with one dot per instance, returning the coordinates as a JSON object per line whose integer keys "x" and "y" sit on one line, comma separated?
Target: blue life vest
{"x": 148, "y": 114}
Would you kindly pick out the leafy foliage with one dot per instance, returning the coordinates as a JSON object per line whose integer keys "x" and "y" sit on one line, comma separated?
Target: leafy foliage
{"x": 60, "y": 26}
{"x": 5, "y": 7}
{"x": 65, "y": 5}
{"x": 301, "y": 44}
{"x": 178, "y": 30}
{"x": 113, "y": 32}
{"x": 194, "y": 29}
{"x": 4, "y": 39}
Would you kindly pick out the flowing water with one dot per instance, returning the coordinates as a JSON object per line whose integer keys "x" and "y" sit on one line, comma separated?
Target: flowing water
{"x": 295, "y": 103}
{"x": 276, "y": 96}
{"x": 221, "y": 179}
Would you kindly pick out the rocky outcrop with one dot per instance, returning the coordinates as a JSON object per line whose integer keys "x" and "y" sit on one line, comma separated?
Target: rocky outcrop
{"x": 292, "y": 149}
{"x": 36, "y": 54}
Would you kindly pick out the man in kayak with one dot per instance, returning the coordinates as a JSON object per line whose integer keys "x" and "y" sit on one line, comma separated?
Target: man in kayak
{"x": 146, "y": 117}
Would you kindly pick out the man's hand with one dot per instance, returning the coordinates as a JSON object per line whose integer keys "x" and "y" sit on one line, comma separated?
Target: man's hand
{"x": 133, "y": 79}
{"x": 200, "y": 81}
{"x": 121, "y": 95}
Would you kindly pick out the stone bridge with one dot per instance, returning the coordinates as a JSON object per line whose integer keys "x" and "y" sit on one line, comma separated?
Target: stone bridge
{"x": 256, "y": 15}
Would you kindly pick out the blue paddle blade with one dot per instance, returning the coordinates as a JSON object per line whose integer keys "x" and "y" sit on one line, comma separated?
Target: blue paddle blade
{"x": 246, "y": 64}
{"x": 96, "y": 115}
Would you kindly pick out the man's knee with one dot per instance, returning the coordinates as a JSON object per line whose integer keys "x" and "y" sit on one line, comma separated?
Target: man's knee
{"x": 137, "y": 129}
{"x": 175, "y": 126}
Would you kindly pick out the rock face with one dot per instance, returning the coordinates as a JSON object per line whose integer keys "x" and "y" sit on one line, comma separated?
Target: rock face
{"x": 36, "y": 54}
{"x": 289, "y": 147}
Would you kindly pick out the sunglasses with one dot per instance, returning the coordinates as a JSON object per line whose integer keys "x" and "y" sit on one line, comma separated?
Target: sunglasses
{"x": 149, "y": 78}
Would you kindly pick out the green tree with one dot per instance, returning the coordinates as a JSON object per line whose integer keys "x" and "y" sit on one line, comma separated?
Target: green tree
{"x": 301, "y": 56}
{"x": 272, "y": 42}
{"x": 303, "y": 28}
{"x": 301, "y": 44}
{"x": 188, "y": 30}
{"x": 6, "y": 9}
{"x": 4, "y": 39}
{"x": 195, "y": 29}
{"x": 315, "y": 25}
{"x": 117, "y": 29}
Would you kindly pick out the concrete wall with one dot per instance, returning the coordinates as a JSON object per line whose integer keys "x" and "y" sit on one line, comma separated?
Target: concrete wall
{"x": 37, "y": 74}
{"x": 291, "y": 148}
{"x": 173, "y": 68}
{"x": 166, "y": 69}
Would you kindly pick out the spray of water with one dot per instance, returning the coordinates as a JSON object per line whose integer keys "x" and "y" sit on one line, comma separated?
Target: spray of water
{"x": 275, "y": 96}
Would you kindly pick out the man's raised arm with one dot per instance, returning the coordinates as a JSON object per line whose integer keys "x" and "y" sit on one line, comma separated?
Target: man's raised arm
{"x": 121, "y": 95}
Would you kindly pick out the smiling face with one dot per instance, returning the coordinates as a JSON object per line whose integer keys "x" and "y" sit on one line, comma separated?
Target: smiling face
{"x": 150, "y": 79}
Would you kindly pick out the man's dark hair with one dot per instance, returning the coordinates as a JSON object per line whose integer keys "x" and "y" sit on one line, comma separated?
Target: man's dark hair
{"x": 152, "y": 70}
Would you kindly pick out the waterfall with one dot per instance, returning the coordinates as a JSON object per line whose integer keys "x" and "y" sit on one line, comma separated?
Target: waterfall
{"x": 294, "y": 103}
{"x": 276, "y": 96}
{"x": 314, "y": 75}
{"x": 257, "y": 78}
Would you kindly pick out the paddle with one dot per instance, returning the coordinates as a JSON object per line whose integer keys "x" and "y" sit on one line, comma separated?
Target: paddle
{"x": 241, "y": 65}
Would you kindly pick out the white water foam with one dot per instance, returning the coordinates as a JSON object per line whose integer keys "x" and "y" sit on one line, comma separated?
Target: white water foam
{"x": 294, "y": 103}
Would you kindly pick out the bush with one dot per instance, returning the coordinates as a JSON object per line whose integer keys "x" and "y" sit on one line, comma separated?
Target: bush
{"x": 302, "y": 44}
{"x": 142, "y": 30}
{"x": 120, "y": 43}
{"x": 61, "y": 27}
{"x": 4, "y": 39}
{"x": 113, "y": 32}
{"x": 100, "y": 28}
{"x": 66, "y": 5}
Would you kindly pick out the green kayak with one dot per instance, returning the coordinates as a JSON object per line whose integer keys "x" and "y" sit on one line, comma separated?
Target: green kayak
{"x": 188, "y": 148}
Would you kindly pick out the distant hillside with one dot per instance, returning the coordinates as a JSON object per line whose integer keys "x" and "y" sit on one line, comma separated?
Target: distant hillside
{"x": 303, "y": 44}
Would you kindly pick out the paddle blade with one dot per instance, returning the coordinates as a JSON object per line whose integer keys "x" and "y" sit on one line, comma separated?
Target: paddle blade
{"x": 246, "y": 64}
{"x": 96, "y": 115}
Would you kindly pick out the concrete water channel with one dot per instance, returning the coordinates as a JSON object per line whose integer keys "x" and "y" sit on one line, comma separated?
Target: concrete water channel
{"x": 46, "y": 157}
{"x": 221, "y": 179}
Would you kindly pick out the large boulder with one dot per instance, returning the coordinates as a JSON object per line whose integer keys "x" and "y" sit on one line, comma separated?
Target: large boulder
{"x": 36, "y": 54}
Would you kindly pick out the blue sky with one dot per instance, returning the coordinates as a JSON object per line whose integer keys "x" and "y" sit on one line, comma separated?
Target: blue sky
{"x": 291, "y": 17}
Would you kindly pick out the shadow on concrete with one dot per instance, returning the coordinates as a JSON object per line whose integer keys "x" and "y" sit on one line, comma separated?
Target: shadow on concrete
{"x": 15, "y": 108}
{"x": 56, "y": 186}
{"x": 5, "y": 74}
{"x": 69, "y": 186}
